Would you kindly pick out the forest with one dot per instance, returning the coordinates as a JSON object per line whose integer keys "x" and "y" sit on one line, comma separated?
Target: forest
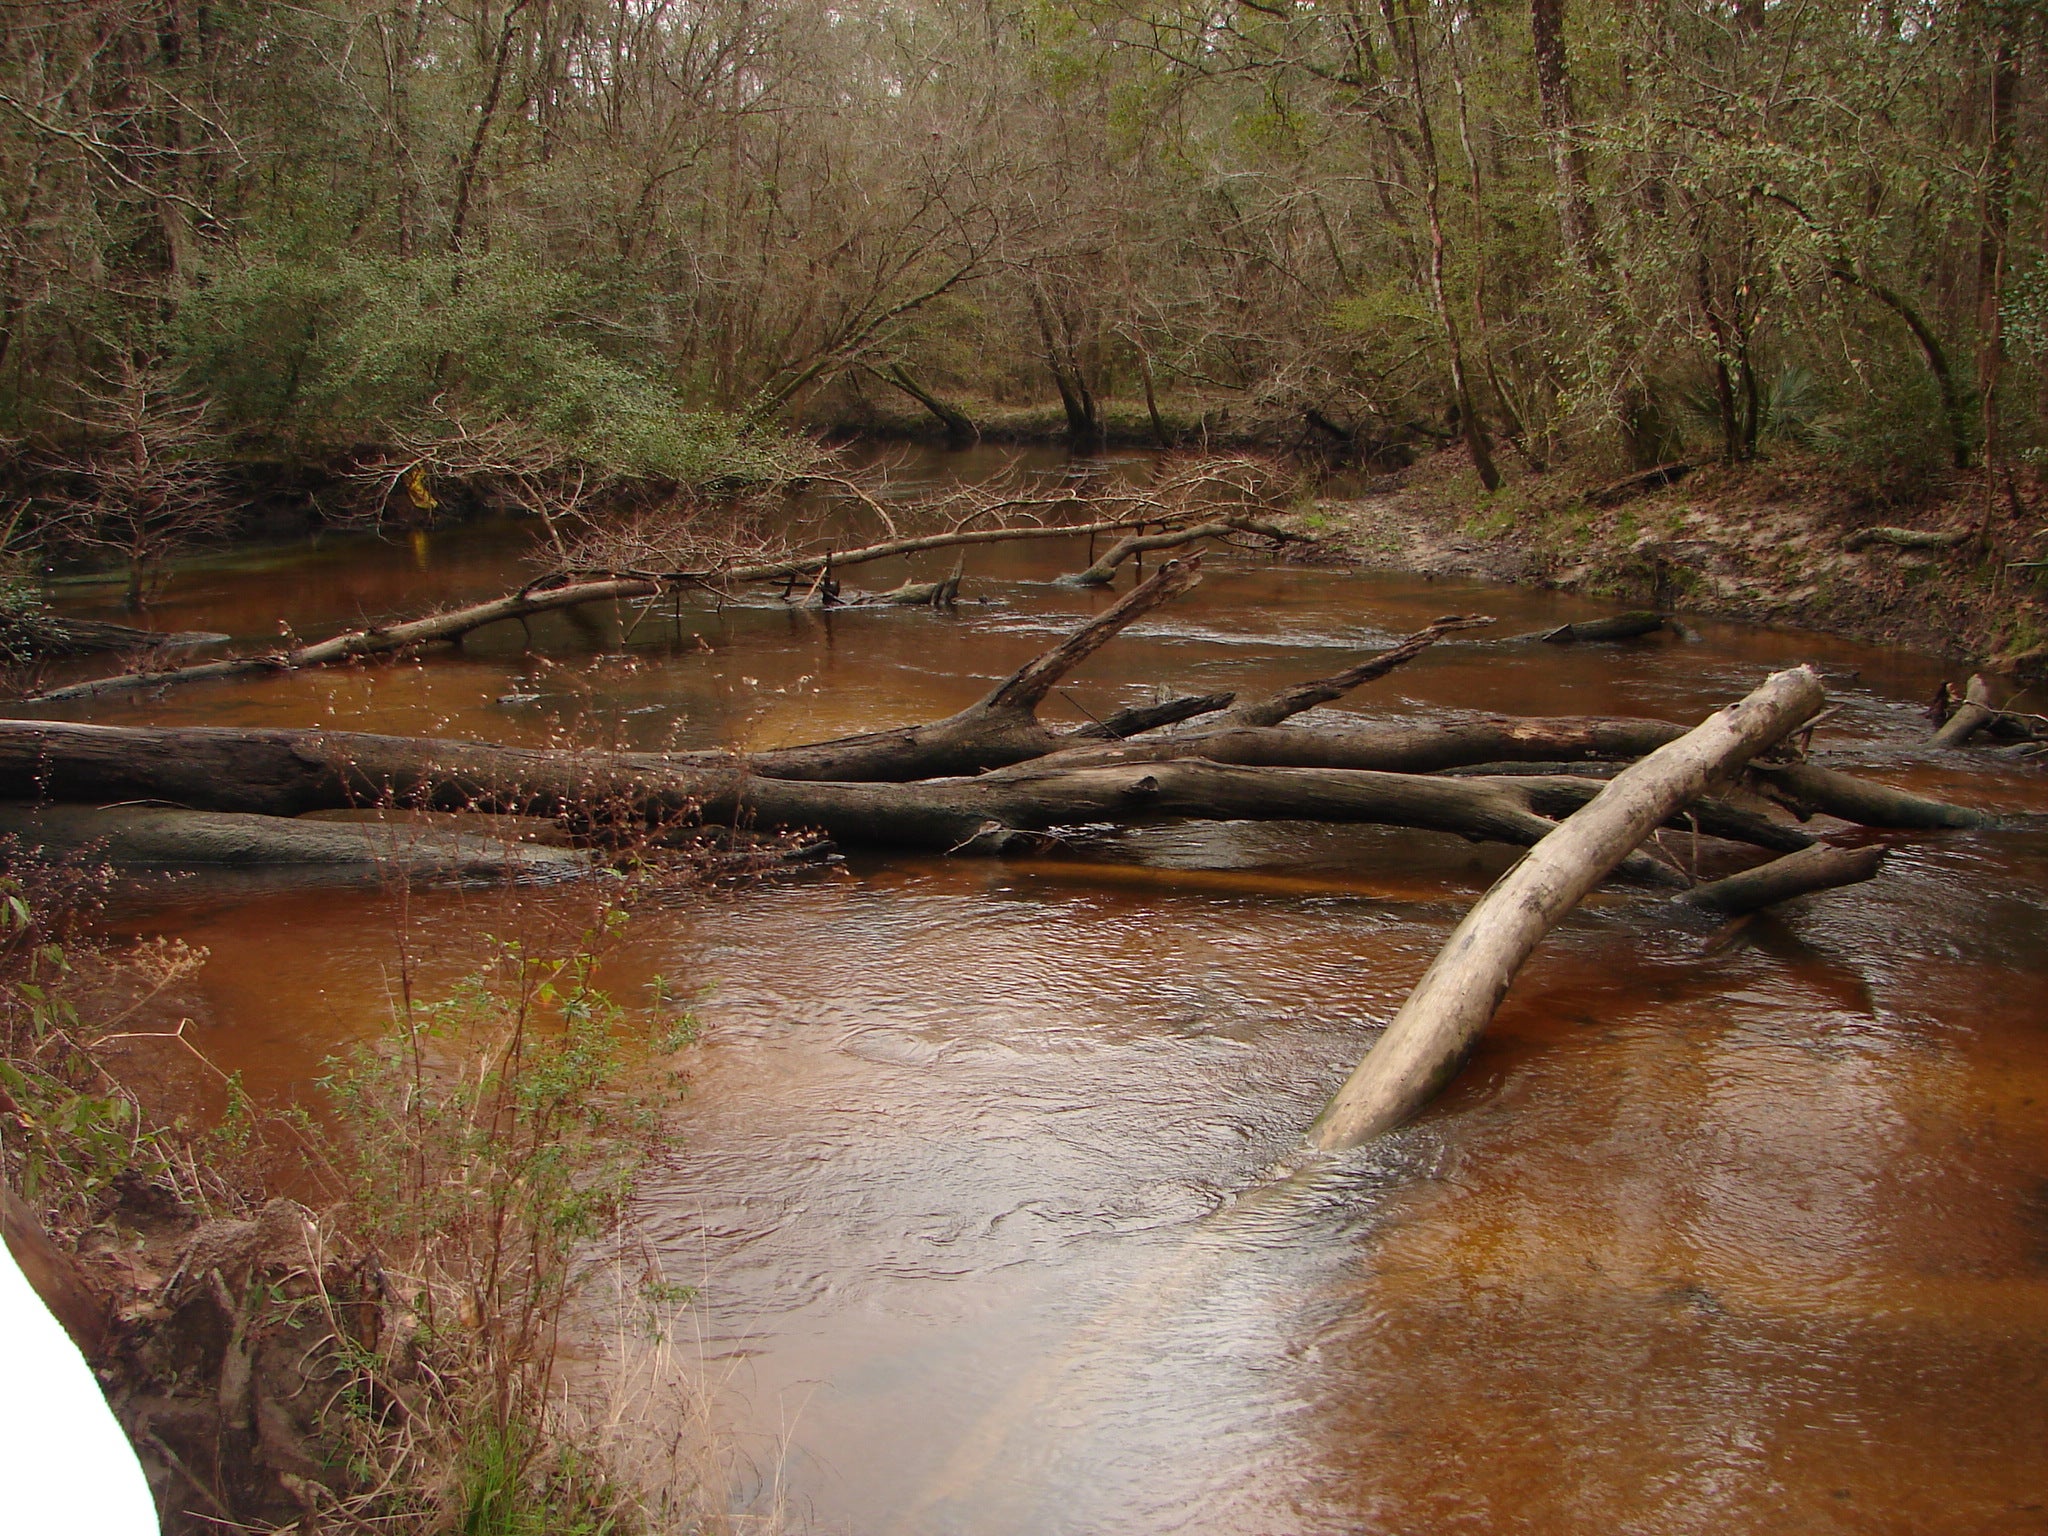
{"x": 630, "y": 245}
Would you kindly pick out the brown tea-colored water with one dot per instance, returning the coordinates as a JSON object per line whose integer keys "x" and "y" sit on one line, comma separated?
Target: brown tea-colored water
{"x": 975, "y": 1169}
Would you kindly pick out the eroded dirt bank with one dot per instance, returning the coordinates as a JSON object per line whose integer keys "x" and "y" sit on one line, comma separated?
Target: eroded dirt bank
{"x": 1770, "y": 543}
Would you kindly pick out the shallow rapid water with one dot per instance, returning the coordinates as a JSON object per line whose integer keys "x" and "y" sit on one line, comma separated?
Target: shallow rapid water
{"x": 976, "y": 1168}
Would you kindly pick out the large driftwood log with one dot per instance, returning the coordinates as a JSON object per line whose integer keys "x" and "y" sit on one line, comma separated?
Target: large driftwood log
{"x": 1906, "y": 538}
{"x": 354, "y": 853}
{"x": 1397, "y": 746}
{"x": 1456, "y": 998}
{"x": 288, "y": 773}
{"x": 1623, "y": 626}
{"x": 797, "y": 567}
{"x": 1807, "y": 788}
{"x": 46, "y": 635}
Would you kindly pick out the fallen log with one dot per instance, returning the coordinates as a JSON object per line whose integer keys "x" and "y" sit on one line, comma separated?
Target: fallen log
{"x": 1288, "y": 702}
{"x": 54, "y": 1275}
{"x": 1398, "y": 746}
{"x": 1104, "y": 570}
{"x": 994, "y": 814}
{"x": 273, "y": 772}
{"x": 1972, "y": 713}
{"x": 1001, "y": 727}
{"x": 1818, "y": 868}
{"x": 1905, "y": 538}
{"x": 1429, "y": 1037}
{"x": 1641, "y": 483}
{"x": 559, "y": 592}
{"x": 797, "y": 567}
{"x": 1807, "y": 788}
{"x": 356, "y": 853}
{"x": 1623, "y": 626}
{"x": 917, "y": 594}
{"x": 373, "y": 641}
{"x": 1136, "y": 719}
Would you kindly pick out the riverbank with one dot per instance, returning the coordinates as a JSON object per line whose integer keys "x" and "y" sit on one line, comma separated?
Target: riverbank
{"x": 1793, "y": 541}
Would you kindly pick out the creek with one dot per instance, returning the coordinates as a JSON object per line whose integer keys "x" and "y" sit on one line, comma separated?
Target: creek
{"x": 972, "y": 1170}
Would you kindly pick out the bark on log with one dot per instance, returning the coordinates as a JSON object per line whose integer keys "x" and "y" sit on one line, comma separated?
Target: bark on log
{"x": 1623, "y": 626}
{"x": 1289, "y": 702}
{"x": 577, "y": 588}
{"x": 917, "y": 594}
{"x": 1971, "y": 715}
{"x": 287, "y": 773}
{"x": 1103, "y": 571}
{"x": 1559, "y": 797}
{"x": 452, "y": 625}
{"x": 797, "y": 567}
{"x": 47, "y": 635}
{"x": 1807, "y": 788}
{"x": 1456, "y": 998}
{"x": 999, "y": 813}
{"x": 1140, "y": 718}
{"x": 1818, "y": 868}
{"x": 1398, "y": 746}
{"x": 1640, "y": 483}
{"x": 1905, "y": 538}
{"x": 354, "y": 853}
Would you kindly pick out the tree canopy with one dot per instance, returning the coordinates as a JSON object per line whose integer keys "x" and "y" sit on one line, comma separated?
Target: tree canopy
{"x": 640, "y": 228}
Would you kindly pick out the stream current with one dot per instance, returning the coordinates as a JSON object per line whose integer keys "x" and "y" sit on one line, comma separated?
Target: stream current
{"x": 972, "y": 1170}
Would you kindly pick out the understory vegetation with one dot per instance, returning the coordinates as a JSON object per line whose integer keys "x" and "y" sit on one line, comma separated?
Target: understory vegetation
{"x": 346, "y": 1313}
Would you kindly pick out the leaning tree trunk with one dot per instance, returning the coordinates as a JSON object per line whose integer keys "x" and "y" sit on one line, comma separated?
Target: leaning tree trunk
{"x": 1428, "y": 1039}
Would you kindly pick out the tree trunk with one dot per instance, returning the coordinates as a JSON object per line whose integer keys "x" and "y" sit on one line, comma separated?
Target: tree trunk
{"x": 329, "y": 852}
{"x": 1084, "y": 423}
{"x": 472, "y": 161}
{"x": 1954, "y": 417}
{"x": 2003, "y": 84}
{"x": 1971, "y": 716}
{"x": 1819, "y": 868}
{"x": 960, "y": 428}
{"x": 1104, "y": 570}
{"x": 1456, "y": 998}
{"x": 1560, "y": 122}
{"x": 287, "y": 773}
{"x": 360, "y": 643}
{"x": 1471, "y": 426}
